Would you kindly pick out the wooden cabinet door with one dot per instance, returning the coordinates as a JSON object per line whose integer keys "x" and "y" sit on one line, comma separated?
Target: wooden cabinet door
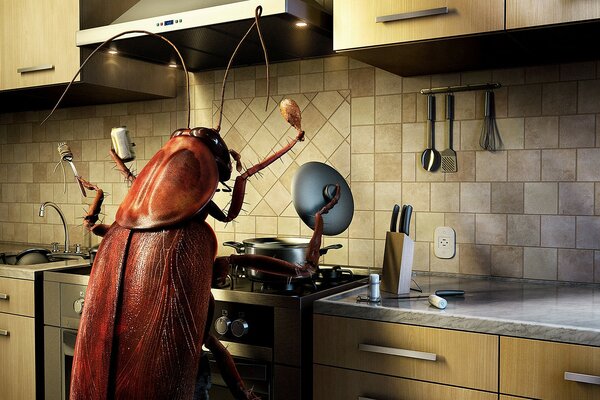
{"x": 341, "y": 384}
{"x": 526, "y": 13}
{"x": 538, "y": 369}
{"x": 355, "y": 21}
{"x": 38, "y": 35}
{"x": 17, "y": 354}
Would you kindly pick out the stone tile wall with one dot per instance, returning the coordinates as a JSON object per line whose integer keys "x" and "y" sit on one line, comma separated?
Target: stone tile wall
{"x": 531, "y": 210}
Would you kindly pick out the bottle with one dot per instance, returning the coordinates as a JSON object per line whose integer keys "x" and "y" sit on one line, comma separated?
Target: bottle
{"x": 374, "y": 295}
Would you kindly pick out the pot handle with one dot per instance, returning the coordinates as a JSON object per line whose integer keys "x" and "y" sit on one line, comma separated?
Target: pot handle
{"x": 239, "y": 247}
{"x": 325, "y": 249}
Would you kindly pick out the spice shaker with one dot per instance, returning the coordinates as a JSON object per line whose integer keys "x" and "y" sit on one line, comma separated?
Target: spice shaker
{"x": 374, "y": 294}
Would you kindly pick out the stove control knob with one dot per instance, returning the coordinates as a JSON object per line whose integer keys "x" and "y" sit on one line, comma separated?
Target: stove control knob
{"x": 239, "y": 327}
{"x": 222, "y": 325}
{"x": 78, "y": 306}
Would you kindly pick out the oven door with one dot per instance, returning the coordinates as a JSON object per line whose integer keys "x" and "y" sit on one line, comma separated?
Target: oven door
{"x": 59, "y": 345}
{"x": 255, "y": 375}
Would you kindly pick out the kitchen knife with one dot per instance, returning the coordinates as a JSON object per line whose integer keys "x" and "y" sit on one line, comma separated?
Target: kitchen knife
{"x": 405, "y": 219}
{"x": 394, "y": 221}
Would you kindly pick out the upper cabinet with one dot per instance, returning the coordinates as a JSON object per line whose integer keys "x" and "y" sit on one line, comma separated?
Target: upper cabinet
{"x": 37, "y": 44}
{"x": 366, "y": 23}
{"x": 529, "y": 13}
{"x": 39, "y": 56}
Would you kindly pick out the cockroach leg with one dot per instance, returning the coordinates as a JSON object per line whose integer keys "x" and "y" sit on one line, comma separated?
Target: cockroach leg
{"x": 123, "y": 169}
{"x": 91, "y": 218}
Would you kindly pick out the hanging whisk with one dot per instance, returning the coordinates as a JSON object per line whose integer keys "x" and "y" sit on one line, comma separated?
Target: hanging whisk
{"x": 67, "y": 155}
{"x": 490, "y": 139}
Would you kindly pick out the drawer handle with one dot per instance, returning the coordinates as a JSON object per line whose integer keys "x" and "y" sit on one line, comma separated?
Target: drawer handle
{"x": 392, "y": 351}
{"x": 4, "y": 332}
{"x": 36, "y": 68}
{"x": 412, "y": 15}
{"x": 582, "y": 378}
{"x": 4, "y": 296}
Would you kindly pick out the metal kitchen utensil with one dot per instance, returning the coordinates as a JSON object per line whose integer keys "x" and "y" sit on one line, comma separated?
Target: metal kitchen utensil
{"x": 67, "y": 155}
{"x": 449, "y": 155}
{"x": 394, "y": 221}
{"x": 490, "y": 139}
{"x": 431, "y": 159}
{"x": 313, "y": 186}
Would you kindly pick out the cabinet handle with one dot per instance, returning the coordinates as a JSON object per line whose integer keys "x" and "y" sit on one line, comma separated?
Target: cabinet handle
{"x": 582, "y": 378}
{"x": 43, "y": 67}
{"x": 392, "y": 351}
{"x": 412, "y": 15}
{"x": 4, "y": 296}
{"x": 4, "y": 332}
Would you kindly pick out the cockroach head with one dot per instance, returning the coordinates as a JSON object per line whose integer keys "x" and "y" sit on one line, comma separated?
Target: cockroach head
{"x": 217, "y": 146}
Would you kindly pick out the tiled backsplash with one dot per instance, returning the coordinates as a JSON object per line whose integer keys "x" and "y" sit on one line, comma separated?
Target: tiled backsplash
{"x": 532, "y": 210}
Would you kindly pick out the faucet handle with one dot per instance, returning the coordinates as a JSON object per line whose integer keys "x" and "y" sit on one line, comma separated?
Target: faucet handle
{"x": 78, "y": 248}
{"x": 54, "y": 247}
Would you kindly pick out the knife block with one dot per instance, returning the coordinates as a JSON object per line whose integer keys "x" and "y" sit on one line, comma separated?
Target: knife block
{"x": 397, "y": 263}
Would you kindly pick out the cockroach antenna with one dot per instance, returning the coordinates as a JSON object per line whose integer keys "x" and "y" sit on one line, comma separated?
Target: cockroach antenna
{"x": 257, "y": 14}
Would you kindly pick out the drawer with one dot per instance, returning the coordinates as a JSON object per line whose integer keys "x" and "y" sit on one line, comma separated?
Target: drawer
{"x": 527, "y": 13}
{"x": 435, "y": 355}
{"x": 16, "y": 296}
{"x": 353, "y": 385}
{"x": 534, "y": 368}
{"x": 355, "y": 21}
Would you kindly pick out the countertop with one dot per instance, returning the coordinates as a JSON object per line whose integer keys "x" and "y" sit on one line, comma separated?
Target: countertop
{"x": 559, "y": 312}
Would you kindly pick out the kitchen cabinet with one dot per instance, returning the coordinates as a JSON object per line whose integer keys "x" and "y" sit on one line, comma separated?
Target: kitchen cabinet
{"x": 356, "y": 23}
{"x": 17, "y": 339}
{"x": 38, "y": 42}
{"x": 39, "y": 56}
{"x": 529, "y": 13}
{"x": 440, "y": 356}
{"x": 547, "y": 370}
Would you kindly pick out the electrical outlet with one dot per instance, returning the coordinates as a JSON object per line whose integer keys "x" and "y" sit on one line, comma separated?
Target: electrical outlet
{"x": 444, "y": 242}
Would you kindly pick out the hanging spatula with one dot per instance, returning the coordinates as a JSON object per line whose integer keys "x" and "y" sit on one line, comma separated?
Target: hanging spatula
{"x": 449, "y": 155}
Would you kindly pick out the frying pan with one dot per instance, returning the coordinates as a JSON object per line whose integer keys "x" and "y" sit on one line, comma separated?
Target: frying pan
{"x": 431, "y": 159}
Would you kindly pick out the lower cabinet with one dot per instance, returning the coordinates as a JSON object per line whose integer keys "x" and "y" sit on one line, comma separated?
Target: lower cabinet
{"x": 17, "y": 354}
{"x": 332, "y": 383}
{"x": 546, "y": 370}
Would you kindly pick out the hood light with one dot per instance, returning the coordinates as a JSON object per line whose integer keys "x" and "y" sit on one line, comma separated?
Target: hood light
{"x": 112, "y": 51}
{"x": 301, "y": 24}
{"x": 173, "y": 65}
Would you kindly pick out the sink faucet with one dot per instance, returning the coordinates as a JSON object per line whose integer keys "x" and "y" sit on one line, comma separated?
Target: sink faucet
{"x": 62, "y": 218}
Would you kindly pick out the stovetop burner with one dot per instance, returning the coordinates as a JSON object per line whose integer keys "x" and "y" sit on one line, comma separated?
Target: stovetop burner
{"x": 325, "y": 278}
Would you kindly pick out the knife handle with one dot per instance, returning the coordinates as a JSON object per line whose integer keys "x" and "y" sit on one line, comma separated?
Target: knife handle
{"x": 394, "y": 221}
{"x": 406, "y": 222}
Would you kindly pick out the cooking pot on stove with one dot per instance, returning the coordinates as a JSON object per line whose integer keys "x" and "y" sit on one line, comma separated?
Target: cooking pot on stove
{"x": 288, "y": 249}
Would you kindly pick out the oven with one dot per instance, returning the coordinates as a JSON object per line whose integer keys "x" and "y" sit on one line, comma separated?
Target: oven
{"x": 63, "y": 303}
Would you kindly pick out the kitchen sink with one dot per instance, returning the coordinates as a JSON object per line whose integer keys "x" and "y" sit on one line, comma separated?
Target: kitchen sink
{"x": 38, "y": 256}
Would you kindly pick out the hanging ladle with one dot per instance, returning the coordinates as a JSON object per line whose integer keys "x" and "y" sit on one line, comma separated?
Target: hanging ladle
{"x": 431, "y": 159}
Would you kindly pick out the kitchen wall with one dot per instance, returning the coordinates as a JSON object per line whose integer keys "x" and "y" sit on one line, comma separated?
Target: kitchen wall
{"x": 532, "y": 210}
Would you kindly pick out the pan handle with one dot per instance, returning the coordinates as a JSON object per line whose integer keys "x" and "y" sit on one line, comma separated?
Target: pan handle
{"x": 239, "y": 247}
{"x": 325, "y": 249}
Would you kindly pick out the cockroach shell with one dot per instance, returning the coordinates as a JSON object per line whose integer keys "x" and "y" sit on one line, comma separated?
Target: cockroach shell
{"x": 177, "y": 182}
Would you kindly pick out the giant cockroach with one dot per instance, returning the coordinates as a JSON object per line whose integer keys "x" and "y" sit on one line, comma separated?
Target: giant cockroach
{"x": 148, "y": 302}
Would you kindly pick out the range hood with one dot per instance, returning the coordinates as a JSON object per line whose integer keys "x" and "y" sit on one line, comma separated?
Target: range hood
{"x": 207, "y": 31}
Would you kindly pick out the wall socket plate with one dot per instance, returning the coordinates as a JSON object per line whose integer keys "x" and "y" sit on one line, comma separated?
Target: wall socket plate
{"x": 444, "y": 242}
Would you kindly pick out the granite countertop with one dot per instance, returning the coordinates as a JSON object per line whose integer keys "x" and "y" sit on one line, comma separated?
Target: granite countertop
{"x": 560, "y": 312}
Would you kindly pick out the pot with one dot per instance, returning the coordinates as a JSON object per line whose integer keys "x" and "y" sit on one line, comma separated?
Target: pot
{"x": 292, "y": 250}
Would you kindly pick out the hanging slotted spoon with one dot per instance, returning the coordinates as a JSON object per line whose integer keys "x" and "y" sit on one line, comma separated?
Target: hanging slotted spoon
{"x": 449, "y": 155}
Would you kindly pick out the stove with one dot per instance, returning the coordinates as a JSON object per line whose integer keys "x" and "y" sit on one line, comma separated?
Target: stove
{"x": 266, "y": 326}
